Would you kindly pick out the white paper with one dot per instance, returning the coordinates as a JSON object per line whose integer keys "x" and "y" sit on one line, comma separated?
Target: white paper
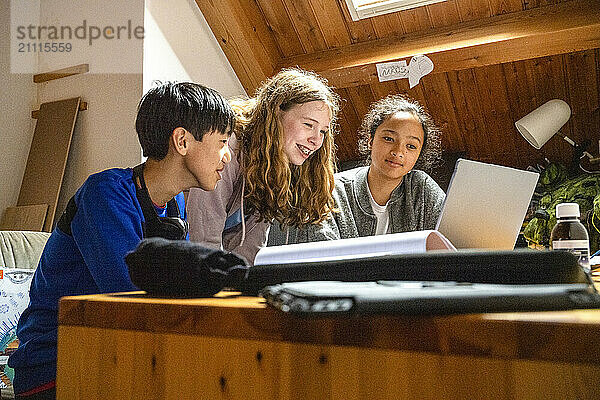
{"x": 369, "y": 246}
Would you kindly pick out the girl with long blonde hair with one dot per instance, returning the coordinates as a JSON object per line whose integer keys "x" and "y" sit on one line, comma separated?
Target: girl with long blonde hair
{"x": 282, "y": 167}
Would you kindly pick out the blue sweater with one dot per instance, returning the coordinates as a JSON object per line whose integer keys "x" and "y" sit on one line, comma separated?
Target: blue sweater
{"x": 106, "y": 226}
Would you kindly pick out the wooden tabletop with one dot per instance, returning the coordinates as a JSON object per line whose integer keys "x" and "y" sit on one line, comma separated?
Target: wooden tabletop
{"x": 567, "y": 336}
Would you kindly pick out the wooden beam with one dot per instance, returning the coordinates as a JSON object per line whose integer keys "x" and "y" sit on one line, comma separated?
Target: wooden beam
{"x": 242, "y": 33}
{"x": 556, "y": 29}
{"x": 61, "y": 73}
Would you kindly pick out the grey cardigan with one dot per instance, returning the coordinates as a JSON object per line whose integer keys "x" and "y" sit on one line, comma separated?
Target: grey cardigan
{"x": 414, "y": 205}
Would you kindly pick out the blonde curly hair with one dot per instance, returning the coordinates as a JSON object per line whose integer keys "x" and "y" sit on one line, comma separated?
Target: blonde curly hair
{"x": 275, "y": 189}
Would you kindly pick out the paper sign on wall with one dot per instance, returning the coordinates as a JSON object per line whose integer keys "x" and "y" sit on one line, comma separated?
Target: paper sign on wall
{"x": 418, "y": 67}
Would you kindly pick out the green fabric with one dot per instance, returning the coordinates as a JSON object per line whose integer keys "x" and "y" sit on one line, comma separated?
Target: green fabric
{"x": 555, "y": 187}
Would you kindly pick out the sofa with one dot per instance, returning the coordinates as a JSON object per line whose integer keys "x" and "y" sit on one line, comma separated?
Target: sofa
{"x": 18, "y": 249}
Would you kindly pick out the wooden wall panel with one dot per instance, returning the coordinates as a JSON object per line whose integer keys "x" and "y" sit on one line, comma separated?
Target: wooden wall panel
{"x": 471, "y": 125}
{"x": 349, "y": 121}
{"x": 583, "y": 97}
{"x": 499, "y": 129}
{"x": 440, "y": 105}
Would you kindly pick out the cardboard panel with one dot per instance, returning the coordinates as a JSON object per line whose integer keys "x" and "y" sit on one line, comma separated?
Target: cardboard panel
{"x": 24, "y": 218}
{"x": 48, "y": 156}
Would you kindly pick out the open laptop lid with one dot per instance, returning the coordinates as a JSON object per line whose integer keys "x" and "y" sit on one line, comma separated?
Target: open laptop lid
{"x": 485, "y": 205}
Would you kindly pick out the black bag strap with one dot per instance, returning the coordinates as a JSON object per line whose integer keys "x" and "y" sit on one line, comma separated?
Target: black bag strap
{"x": 141, "y": 192}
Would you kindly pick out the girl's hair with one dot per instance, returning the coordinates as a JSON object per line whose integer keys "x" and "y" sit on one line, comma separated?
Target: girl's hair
{"x": 384, "y": 108}
{"x": 290, "y": 194}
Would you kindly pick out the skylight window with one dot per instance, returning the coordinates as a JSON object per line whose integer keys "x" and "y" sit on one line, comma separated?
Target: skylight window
{"x": 360, "y": 9}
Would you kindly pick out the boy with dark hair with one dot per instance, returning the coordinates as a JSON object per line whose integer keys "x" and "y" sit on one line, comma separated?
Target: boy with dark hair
{"x": 183, "y": 129}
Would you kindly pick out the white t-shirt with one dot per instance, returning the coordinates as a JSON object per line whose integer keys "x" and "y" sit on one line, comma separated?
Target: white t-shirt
{"x": 382, "y": 214}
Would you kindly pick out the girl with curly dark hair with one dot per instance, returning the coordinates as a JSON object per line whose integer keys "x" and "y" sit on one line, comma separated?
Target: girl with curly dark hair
{"x": 391, "y": 193}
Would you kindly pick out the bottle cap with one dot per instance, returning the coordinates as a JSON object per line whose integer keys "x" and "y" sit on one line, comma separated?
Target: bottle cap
{"x": 567, "y": 210}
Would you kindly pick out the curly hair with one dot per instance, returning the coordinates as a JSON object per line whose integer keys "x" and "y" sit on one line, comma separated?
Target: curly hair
{"x": 383, "y": 109}
{"x": 275, "y": 189}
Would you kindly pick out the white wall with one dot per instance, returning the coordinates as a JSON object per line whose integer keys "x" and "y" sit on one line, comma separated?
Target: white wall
{"x": 104, "y": 135}
{"x": 179, "y": 46}
{"x": 17, "y": 99}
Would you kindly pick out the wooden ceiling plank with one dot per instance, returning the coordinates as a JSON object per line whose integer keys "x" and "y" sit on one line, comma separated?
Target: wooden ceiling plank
{"x": 331, "y": 23}
{"x": 529, "y": 4}
{"x": 243, "y": 35}
{"x": 519, "y": 82}
{"x": 557, "y": 29}
{"x": 415, "y": 19}
{"x": 444, "y": 13}
{"x": 361, "y": 30}
{"x": 280, "y": 24}
{"x": 305, "y": 23}
{"x": 499, "y": 7}
{"x": 388, "y": 25}
{"x": 383, "y": 89}
{"x": 470, "y": 10}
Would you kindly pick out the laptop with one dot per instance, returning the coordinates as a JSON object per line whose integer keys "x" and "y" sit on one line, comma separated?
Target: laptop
{"x": 485, "y": 205}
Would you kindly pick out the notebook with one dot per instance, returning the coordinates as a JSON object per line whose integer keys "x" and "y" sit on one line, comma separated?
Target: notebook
{"x": 485, "y": 205}
{"x": 514, "y": 267}
{"x": 425, "y": 298}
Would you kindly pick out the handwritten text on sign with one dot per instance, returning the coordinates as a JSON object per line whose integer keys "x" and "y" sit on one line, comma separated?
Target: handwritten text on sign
{"x": 418, "y": 67}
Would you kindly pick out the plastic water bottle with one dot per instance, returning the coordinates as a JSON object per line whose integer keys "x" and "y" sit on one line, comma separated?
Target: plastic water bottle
{"x": 569, "y": 234}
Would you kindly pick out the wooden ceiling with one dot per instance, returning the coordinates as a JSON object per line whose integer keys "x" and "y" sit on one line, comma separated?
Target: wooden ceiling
{"x": 495, "y": 60}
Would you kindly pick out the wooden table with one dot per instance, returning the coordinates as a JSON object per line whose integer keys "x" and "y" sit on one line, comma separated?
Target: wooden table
{"x": 131, "y": 346}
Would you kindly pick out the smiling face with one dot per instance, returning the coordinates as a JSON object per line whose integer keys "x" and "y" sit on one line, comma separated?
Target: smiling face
{"x": 395, "y": 147}
{"x": 304, "y": 127}
{"x": 207, "y": 158}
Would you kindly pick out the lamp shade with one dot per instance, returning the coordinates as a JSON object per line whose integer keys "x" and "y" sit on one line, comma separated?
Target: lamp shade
{"x": 541, "y": 124}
